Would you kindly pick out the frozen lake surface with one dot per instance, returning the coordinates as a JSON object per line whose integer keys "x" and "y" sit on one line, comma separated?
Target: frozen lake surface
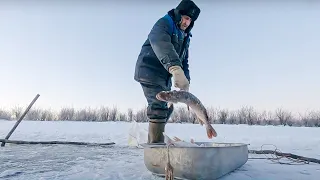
{"x": 120, "y": 161}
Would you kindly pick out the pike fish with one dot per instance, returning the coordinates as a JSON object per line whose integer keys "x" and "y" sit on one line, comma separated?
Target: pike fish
{"x": 193, "y": 102}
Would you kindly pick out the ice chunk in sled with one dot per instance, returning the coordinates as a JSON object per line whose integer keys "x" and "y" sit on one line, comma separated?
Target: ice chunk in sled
{"x": 179, "y": 143}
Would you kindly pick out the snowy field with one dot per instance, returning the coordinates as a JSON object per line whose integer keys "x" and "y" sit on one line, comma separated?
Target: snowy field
{"x": 120, "y": 161}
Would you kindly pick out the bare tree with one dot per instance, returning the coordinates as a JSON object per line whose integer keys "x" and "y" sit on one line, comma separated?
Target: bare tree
{"x": 232, "y": 118}
{"x": 141, "y": 115}
{"x": 252, "y": 116}
{"x": 66, "y": 114}
{"x": 130, "y": 115}
{"x": 245, "y": 115}
{"x": 183, "y": 115}
{"x": 103, "y": 113}
{"x": 315, "y": 118}
{"x": 34, "y": 114}
{"x": 86, "y": 114}
{"x": 263, "y": 118}
{"x": 17, "y": 112}
{"x": 242, "y": 116}
{"x": 213, "y": 115}
{"x": 223, "y": 116}
{"x": 4, "y": 114}
{"x": 113, "y": 113}
{"x": 283, "y": 116}
{"x": 47, "y": 115}
{"x": 122, "y": 117}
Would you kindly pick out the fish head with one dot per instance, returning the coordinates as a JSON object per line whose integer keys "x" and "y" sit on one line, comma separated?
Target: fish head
{"x": 167, "y": 96}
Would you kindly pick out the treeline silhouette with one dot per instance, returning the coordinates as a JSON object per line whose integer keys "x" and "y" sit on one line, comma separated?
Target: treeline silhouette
{"x": 245, "y": 115}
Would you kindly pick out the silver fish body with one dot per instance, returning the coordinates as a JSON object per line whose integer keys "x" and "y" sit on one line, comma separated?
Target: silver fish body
{"x": 193, "y": 102}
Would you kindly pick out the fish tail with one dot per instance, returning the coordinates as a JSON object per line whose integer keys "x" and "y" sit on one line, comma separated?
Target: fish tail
{"x": 211, "y": 132}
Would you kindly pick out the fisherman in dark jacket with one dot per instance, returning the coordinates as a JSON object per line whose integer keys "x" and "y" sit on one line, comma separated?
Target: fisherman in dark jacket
{"x": 165, "y": 55}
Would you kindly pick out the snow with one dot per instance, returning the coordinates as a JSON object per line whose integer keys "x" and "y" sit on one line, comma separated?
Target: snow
{"x": 121, "y": 161}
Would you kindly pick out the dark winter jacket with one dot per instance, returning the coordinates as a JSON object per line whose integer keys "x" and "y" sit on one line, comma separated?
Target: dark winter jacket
{"x": 165, "y": 46}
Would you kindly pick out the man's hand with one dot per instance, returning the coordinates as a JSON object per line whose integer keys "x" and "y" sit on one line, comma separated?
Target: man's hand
{"x": 180, "y": 80}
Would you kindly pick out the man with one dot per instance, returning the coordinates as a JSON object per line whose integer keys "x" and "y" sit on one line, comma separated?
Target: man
{"x": 165, "y": 55}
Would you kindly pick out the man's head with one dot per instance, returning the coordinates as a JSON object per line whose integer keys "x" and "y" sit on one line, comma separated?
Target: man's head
{"x": 189, "y": 12}
{"x": 185, "y": 22}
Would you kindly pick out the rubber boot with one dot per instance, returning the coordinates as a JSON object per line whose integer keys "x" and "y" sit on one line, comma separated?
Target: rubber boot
{"x": 170, "y": 111}
{"x": 155, "y": 132}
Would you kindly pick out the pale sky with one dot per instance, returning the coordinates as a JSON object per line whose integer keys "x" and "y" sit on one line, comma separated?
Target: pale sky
{"x": 264, "y": 55}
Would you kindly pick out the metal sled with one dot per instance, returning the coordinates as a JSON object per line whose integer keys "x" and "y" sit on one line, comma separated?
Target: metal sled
{"x": 211, "y": 161}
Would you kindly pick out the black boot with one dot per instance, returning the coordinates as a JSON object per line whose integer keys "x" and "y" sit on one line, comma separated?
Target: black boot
{"x": 170, "y": 111}
{"x": 155, "y": 132}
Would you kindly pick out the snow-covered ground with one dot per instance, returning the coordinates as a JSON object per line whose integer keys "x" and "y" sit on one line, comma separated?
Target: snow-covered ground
{"x": 121, "y": 161}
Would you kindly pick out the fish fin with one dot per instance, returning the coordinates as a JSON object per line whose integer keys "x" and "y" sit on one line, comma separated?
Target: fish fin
{"x": 200, "y": 122}
{"x": 211, "y": 132}
{"x": 176, "y": 138}
{"x": 167, "y": 139}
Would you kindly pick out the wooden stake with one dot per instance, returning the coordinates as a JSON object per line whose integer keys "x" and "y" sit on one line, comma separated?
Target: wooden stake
{"x": 20, "y": 119}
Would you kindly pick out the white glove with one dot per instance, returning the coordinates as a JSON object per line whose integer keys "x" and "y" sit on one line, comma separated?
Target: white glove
{"x": 180, "y": 80}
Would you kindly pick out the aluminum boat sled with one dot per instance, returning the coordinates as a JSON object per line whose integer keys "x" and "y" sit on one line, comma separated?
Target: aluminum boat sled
{"x": 206, "y": 162}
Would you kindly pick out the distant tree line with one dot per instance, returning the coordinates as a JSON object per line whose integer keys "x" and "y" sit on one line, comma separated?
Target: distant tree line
{"x": 245, "y": 115}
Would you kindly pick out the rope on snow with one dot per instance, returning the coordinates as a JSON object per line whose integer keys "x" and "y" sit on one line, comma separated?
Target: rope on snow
{"x": 277, "y": 155}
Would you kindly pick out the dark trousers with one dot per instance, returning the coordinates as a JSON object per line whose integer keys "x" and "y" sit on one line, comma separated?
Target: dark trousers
{"x": 157, "y": 111}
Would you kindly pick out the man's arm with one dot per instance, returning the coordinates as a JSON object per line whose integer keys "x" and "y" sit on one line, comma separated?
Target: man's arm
{"x": 185, "y": 64}
{"x": 160, "y": 40}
